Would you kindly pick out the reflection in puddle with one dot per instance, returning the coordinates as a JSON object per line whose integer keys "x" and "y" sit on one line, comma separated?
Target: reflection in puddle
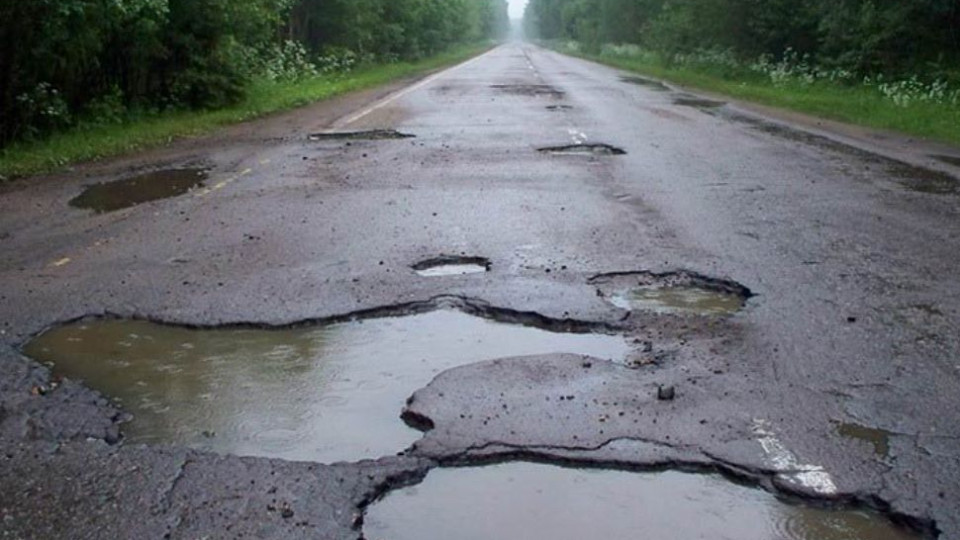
{"x": 678, "y": 299}
{"x": 139, "y": 189}
{"x": 319, "y": 393}
{"x": 524, "y": 501}
{"x": 880, "y": 439}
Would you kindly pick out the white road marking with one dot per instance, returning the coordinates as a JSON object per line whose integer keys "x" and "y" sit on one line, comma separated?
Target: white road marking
{"x": 397, "y": 95}
{"x": 813, "y": 477}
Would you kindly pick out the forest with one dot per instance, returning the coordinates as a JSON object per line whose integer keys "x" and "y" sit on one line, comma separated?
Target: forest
{"x": 70, "y": 62}
{"x": 893, "y": 38}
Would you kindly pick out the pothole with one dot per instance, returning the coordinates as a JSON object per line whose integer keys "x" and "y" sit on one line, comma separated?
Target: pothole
{"x": 164, "y": 184}
{"x": 673, "y": 292}
{"x": 698, "y": 103}
{"x": 924, "y": 180}
{"x": 879, "y": 439}
{"x": 366, "y": 135}
{"x": 559, "y": 107}
{"x": 949, "y": 160}
{"x": 526, "y": 500}
{"x": 452, "y": 266}
{"x": 316, "y": 392}
{"x": 598, "y": 149}
{"x": 532, "y": 90}
{"x": 645, "y": 82}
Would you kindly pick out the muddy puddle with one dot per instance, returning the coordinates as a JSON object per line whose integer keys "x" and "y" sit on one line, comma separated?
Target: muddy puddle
{"x": 452, "y": 266}
{"x": 366, "y": 135}
{"x": 676, "y": 292}
{"x": 647, "y": 83}
{"x": 317, "y": 393}
{"x": 583, "y": 150}
{"x": 521, "y": 501}
{"x": 111, "y": 196}
{"x": 877, "y": 438}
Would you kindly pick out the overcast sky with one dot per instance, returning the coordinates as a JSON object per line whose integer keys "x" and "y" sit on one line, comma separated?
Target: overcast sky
{"x": 516, "y": 8}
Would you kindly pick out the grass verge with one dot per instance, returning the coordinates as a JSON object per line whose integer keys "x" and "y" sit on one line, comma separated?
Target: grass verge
{"x": 264, "y": 97}
{"x": 861, "y": 105}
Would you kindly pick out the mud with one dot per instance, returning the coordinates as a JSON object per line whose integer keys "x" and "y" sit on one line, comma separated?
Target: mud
{"x": 526, "y": 500}
{"x": 583, "y": 150}
{"x": 317, "y": 393}
{"x": 164, "y": 184}
{"x": 365, "y": 135}
{"x": 647, "y": 83}
{"x": 452, "y": 266}
{"x": 879, "y": 439}
{"x": 532, "y": 90}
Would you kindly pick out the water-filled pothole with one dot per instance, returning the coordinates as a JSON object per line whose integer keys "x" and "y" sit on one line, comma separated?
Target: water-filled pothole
{"x": 452, "y": 266}
{"x": 315, "y": 392}
{"x": 597, "y": 149}
{"x": 366, "y": 135}
{"x": 673, "y": 292}
{"x": 649, "y": 83}
{"x": 698, "y": 103}
{"x": 532, "y": 90}
{"x": 559, "y": 107}
{"x": 525, "y": 500}
{"x": 949, "y": 160}
{"x": 110, "y": 196}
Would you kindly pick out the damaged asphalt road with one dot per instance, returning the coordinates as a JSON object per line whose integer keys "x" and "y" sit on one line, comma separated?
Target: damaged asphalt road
{"x": 839, "y": 267}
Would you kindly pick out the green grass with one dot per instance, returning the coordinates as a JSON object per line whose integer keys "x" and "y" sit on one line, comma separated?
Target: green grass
{"x": 859, "y": 105}
{"x": 85, "y": 144}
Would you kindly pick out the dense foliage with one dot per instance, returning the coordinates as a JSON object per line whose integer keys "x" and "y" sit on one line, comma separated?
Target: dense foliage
{"x": 865, "y": 37}
{"x": 69, "y": 61}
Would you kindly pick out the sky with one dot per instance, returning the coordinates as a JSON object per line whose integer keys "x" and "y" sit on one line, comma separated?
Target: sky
{"x": 516, "y": 8}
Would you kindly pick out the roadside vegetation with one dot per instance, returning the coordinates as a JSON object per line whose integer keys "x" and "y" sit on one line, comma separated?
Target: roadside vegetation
{"x": 880, "y": 63}
{"x": 82, "y": 79}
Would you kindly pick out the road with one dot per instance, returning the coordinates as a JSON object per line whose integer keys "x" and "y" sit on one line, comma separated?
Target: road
{"x": 846, "y": 240}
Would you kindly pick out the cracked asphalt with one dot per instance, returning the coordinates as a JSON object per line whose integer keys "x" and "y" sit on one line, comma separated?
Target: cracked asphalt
{"x": 854, "y": 317}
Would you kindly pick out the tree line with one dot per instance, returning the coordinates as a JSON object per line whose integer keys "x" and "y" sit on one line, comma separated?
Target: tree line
{"x": 64, "y": 61}
{"x": 868, "y": 37}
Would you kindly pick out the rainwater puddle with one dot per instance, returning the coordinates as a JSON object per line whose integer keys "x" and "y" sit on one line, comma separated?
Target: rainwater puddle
{"x": 317, "y": 393}
{"x": 673, "y": 292}
{"x": 680, "y": 299}
{"x": 110, "y": 196}
{"x": 520, "y": 501}
{"x": 583, "y": 150}
{"x": 649, "y": 83}
{"x": 452, "y": 266}
{"x": 878, "y": 438}
{"x": 367, "y": 135}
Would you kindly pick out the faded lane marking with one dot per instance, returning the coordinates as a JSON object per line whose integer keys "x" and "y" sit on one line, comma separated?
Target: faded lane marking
{"x": 812, "y": 477}
{"x": 62, "y": 262}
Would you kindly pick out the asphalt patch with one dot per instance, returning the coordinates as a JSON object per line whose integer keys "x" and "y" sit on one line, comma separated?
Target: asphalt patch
{"x": 365, "y": 135}
{"x": 532, "y": 90}
{"x": 672, "y": 292}
{"x": 152, "y": 186}
{"x": 324, "y": 392}
{"x": 645, "y": 82}
{"x": 452, "y": 265}
{"x": 597, "y": 149}
{"x": 530, "y": 500}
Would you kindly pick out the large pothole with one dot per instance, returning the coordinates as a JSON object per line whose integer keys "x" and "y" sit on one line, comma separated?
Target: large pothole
{"x": 447, "y": 265}
{"x": 596, "y": 149}
{"x": 526, "y": 500}
{"x": 366, "y": 135}
{"x": 672, "y": 292}
{"x": 318, "y": 392}
{"x": 110, "y": 196}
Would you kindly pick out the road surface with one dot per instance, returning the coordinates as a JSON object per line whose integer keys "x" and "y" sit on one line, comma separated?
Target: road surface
{"x": 847, "y": 241}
